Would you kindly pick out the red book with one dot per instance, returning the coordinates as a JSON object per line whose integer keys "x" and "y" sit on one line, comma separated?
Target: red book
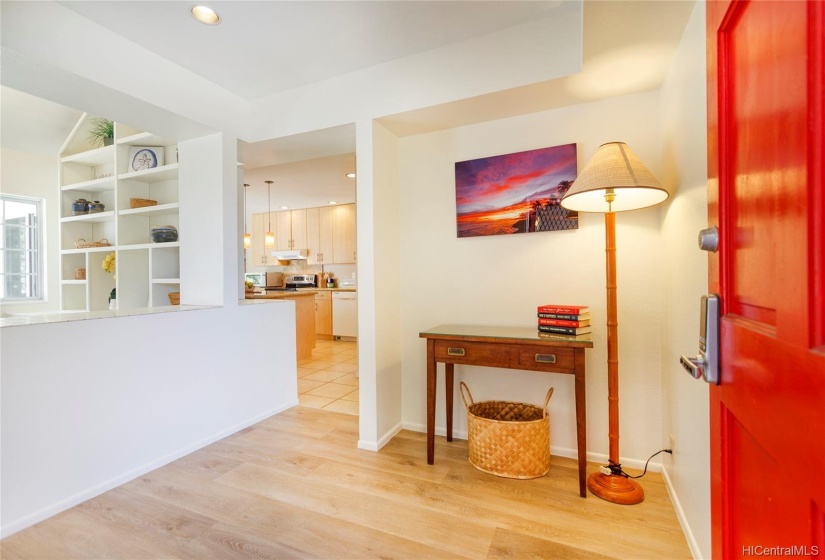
{"x": 565, "y": 316}
{"x": 569, "y": 309}
{"x": 565, "y": 323}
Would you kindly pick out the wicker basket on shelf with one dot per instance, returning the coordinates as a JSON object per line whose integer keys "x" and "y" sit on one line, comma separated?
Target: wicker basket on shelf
{"x": 142, "y": 202}
{"x": 508, "y": 439}
{"x": 83, "y": 244}
{"x": 174, "y": 298}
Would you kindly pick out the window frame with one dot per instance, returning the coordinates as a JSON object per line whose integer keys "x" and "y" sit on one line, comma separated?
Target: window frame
{"x": 40, "y": 246}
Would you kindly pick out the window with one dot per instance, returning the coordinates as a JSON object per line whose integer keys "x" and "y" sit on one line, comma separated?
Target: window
{"x": 21, "y": 249}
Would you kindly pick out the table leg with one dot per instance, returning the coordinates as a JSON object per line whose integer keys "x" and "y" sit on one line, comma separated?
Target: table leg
{"x": 581, "y": 422}
{"x": 431, "y": 378}
{"x": 448, "y": 369}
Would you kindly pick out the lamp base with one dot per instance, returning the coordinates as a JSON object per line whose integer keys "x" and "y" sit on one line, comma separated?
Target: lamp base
{"x": 616, "y": 488}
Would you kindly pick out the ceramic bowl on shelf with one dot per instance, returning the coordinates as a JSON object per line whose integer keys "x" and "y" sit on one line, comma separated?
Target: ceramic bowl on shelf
{"x": 164, "y": 234}
{"x": 80, "y": 206}
{"x": 96, "y": 206}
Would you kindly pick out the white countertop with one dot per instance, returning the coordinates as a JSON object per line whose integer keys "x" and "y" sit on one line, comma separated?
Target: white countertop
{"x": 17, "y": 320}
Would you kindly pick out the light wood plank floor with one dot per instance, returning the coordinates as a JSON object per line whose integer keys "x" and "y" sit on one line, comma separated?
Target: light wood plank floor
{"x": 295, "y": 486}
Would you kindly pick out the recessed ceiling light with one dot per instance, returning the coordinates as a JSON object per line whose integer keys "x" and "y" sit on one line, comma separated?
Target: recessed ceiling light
{"x": 351, "y": 175}
{"x": 206, "y": 15}
{"x": 284, "y": 207}
{"x": 333, "y": 202}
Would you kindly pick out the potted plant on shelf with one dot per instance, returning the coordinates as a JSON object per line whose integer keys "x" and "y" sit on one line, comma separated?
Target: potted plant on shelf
{"x": 102, "y": 132}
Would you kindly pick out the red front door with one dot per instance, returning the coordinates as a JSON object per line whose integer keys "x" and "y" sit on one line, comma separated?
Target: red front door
{"x": 767, "y": 195}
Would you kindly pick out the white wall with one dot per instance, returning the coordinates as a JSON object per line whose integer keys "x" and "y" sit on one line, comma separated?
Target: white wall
{"x": 32, "y": 175}
{"x": 84, "y": 417}
{"x": 388, "y": 295}
{"x": 502, "y": 279}
{"x": 685, "y": 272}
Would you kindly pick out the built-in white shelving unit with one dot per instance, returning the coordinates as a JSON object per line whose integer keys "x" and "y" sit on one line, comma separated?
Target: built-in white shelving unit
{"x": 146, "y": 271}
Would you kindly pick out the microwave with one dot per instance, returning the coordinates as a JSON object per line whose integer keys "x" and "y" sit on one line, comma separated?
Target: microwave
{"x": 258, "y": 279}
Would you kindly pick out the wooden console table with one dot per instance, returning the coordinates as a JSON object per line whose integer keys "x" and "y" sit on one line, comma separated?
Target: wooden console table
{"x": 505, "y": 347}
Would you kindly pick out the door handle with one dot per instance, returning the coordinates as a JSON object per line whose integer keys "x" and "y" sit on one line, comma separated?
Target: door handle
{"x": 706, "y": 364}
{"x": 709, "y": 239}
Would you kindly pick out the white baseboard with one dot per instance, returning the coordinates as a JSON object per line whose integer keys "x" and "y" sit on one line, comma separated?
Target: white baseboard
{"x": 376, "y": 445}
{"x": 62, "y": 505}
{"x": 554, "y": 450}
{"x": 680, "y": 514}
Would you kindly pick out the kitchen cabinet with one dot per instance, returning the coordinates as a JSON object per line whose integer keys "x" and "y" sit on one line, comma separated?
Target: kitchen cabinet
{"x": 323, "y": 315}
{"x": 257, "y": 248}
{"x": 319, "y": 235}
{"x": 145, "y": 271}
{"x": 343, "y": 234}
{"x": 290, "y": 230}
{"x": 326, "y": 233}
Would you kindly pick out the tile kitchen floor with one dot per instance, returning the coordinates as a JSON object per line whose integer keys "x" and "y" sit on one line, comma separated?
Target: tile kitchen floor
{"x": 329, "y": 379}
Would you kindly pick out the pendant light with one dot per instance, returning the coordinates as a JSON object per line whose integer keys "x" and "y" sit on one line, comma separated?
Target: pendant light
{"x": 247, "y": 239}
{"x": 269, "y": 239}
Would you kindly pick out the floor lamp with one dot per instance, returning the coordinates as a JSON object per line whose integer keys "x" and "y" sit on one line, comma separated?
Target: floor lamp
{"x": 614, "y": 180}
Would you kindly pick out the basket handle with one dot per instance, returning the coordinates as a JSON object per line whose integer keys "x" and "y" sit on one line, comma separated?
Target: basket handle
{"x": 461, "y": 388}
{"x": 547, "y": 400}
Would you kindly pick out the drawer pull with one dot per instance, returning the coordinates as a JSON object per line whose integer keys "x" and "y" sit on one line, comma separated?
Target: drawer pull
{"x": 455, "y": 351}
{"x": 546, "y": 358}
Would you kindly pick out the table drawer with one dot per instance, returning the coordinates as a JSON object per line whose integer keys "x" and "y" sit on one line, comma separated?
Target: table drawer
{"x": 479, "y": 353}
{"x": 546, "y": 359}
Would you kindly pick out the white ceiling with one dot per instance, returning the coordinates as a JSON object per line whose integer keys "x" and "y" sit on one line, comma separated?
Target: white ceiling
{"x": 265, "y": 47}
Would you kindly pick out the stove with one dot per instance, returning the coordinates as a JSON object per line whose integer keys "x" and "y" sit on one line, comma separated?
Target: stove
{"x": 295, "y": 281}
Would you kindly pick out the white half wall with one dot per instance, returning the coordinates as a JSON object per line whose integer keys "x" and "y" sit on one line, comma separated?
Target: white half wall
{"x": 500, "y": 280}
{"x": 35, "y": 176}
{"x": 685, "y": 408}
{"x": 79, "y": 417}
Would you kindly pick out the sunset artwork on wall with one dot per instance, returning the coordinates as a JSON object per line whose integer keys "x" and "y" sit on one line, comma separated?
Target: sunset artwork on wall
{"x": 515, "y": 193}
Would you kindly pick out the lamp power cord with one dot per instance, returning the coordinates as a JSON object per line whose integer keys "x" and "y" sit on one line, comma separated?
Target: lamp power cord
{"x": 616, "y": 468}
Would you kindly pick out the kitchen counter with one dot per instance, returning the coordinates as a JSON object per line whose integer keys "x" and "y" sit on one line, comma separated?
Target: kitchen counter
{"x": 280, "y": 295}
{"x": 304, "y": 317}
{"x": 348, "y": 289}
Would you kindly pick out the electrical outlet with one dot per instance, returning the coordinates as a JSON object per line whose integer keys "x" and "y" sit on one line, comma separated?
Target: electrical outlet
{"x": 672, "y": 440}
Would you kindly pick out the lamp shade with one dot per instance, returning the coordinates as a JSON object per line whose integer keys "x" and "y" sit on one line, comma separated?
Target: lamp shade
{"x": 614, "y": 170}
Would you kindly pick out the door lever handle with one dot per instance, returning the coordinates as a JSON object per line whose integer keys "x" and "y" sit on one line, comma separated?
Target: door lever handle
{"x": 706, "y": 364}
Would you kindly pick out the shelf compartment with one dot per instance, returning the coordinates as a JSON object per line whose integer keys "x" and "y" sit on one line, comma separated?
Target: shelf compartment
{"x": 92, "y": 158}
{"x": 154, "y": 175}
{"x": 166, "y": 281}
{"x": 159, "y": 210}
{"x": 98, "y": 217}
{"x": 104, "y": 184}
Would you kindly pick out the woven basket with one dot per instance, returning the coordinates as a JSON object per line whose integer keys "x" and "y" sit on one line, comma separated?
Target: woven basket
{"x": 83, "y": 244}
{"x": 174, "y": 298}
{"x": 508, "y": 439}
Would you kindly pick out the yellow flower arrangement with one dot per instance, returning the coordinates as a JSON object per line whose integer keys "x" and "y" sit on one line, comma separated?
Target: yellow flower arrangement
{"x": 109, "y": 263}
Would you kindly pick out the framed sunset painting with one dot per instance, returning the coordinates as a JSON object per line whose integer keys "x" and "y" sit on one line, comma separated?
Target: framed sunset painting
{"x": 515, "y": 193}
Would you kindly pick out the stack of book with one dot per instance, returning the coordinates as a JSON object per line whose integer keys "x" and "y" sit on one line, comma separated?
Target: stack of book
{"x": 571, "y": 320}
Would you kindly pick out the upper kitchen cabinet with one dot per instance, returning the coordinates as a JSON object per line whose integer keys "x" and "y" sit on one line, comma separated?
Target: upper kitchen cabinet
{"x": 319, "y": 235}
{"x": 111, "y": 197}
{"x": 327, "y": 233}
{"x": 257, "y": 247}
{"x": 343, "y": 234}
{"x": 290, "y": 230}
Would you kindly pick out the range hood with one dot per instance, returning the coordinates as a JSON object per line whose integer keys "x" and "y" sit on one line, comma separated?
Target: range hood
{"x": 290, "y": 255}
